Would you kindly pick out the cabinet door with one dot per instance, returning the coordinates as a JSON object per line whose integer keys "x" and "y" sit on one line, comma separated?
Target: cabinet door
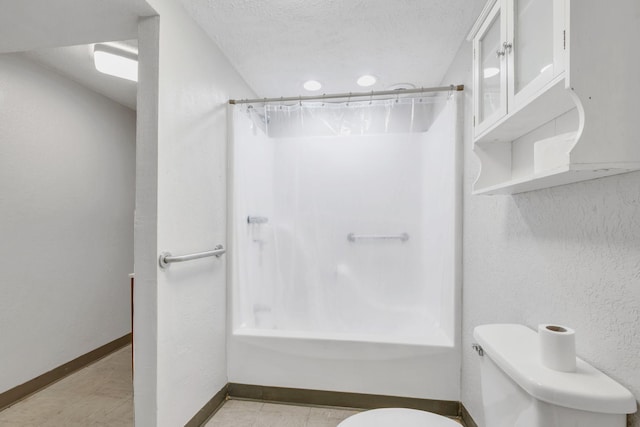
{"x": 537, "y": 43}
{"x": 490, "y": 70}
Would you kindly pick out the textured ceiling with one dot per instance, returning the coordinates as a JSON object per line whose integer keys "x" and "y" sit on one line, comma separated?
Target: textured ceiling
{"x": 277, "y": 45}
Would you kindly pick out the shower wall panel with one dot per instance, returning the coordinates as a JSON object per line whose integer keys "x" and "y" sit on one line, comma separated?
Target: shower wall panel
{"x": 349, "y": 281}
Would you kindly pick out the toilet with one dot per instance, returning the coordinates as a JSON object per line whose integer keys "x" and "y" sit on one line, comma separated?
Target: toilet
{"x": 518, "y": 391}
{"x": 397, "y": 417}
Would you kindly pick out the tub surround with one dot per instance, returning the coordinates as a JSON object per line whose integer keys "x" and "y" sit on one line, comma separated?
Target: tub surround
{"x": 313, "y": 307}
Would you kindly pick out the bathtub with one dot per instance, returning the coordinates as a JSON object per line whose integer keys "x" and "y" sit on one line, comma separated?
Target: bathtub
{"x": 426, "y": 367}
{"x": 349, "y": 282}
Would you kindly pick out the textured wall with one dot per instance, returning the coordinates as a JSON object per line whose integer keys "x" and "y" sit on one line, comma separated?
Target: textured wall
{"x": 182, "y": 161}
{"x": 569, "y": 254}
{"x": 67, "y": 161}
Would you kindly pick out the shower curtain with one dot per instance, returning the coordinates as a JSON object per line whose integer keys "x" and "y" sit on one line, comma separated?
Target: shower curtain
{"x": 303, "y": 119}
{"x": 341, "y": 219}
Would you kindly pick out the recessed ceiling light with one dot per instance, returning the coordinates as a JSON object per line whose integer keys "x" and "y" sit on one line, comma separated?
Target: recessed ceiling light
{"x": 115, "y": 61}
{"x": 312, "y": 85}
{"x": 367, "y": 80}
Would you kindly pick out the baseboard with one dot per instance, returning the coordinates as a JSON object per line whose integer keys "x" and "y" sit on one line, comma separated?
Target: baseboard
{"x": 210, "y": 408}
{"x": 18, "y": 393}
{"x": 466, "y": 417}
{"x": 326, "y": 398}
{"x": 340, "y": 399}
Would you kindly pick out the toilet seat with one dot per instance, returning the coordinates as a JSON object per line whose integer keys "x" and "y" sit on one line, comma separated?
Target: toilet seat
{"x": 397, "y": 417}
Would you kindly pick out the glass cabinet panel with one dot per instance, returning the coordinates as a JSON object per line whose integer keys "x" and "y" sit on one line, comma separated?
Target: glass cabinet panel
{"x": 533, "y": 41}
{"x": 490, "y": 70}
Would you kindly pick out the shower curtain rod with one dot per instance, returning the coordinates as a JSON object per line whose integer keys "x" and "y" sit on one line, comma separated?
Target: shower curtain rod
{"x": 349, "y": 95}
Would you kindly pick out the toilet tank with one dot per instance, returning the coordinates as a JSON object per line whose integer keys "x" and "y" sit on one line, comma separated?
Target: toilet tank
{"x": 517, "y": 391}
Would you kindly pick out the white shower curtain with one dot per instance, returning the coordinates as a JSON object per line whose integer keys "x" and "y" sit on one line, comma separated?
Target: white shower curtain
{"x": 342, "y": 188}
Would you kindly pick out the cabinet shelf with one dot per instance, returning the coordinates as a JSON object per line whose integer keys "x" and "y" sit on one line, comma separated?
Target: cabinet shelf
{"x": 560, "y": 176}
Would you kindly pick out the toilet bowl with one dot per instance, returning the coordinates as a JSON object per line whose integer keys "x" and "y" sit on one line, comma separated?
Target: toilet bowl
{"x": 397, "y": 417}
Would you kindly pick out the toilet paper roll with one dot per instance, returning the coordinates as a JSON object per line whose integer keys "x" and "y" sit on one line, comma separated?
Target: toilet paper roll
{"x": 557, "y": 347}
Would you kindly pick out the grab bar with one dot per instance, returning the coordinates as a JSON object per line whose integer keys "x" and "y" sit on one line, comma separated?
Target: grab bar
{"x": 166, "y": 258}
{"x": 403, "y": 237}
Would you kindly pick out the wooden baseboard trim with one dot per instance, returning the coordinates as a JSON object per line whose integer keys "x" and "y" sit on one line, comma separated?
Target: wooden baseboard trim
{"x": 18, "y": 393}
{"x": 209, "y": 409}
{"x": 340, "y": 399}
{"x": 466, "y": 417}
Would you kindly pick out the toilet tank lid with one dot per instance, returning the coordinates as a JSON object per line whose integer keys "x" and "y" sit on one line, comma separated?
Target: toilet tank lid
{"x": 514, "y": 348}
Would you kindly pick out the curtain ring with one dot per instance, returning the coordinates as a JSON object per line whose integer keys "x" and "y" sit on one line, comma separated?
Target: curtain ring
{"x": 371, "y": 98}
{"x": 349, "y": 99}
{"x": 323, "y": 97}
{"x": 300, "y": 100}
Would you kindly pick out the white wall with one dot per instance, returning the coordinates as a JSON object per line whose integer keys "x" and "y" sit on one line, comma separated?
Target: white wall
{"x": 569, "y": 254}
{"x": 181, "y": 208}
{"x": 35, "y": 24}
{"x": 67, "y": 158}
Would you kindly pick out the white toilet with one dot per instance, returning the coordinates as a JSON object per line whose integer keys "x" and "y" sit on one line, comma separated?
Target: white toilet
{"x": 397, "y": 417}
{"x": 517, "y": 391}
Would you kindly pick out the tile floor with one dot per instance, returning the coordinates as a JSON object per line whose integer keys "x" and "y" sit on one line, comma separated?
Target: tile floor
{"x": 102, "y": 395}
{"x": 239, "y": 413}
{"x": 99, "y": 395}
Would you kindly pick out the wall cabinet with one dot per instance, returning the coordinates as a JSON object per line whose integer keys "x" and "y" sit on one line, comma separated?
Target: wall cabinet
{"x": 545, "y": 110}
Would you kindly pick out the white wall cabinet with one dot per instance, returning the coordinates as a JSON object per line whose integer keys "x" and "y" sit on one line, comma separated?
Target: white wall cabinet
{"x": 490, "y": 70}
{"x": 553, "y": 92}
{"x": 518, "y": 51}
